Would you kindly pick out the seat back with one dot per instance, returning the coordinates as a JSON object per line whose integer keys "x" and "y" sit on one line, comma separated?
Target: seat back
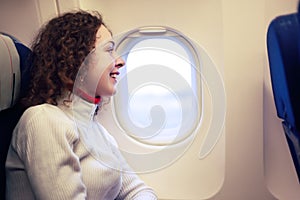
{"x": 283, "y": 43}
{"x": 14, "y": 78}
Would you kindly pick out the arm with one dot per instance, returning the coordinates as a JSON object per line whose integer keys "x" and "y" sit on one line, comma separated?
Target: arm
{"x": 44, "y": 143}
{"x": 134, "y": 189}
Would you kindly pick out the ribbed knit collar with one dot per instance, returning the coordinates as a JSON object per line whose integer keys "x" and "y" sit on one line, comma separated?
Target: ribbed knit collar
{"x": 78, "y": 108}
{"x": 93, "y": 135}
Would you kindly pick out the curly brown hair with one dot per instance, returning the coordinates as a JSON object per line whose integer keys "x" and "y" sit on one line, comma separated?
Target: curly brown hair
{"x": 57, "y": 53}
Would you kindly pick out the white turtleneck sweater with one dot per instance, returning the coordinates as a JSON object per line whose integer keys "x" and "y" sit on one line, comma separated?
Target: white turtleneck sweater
{"x": 62, "y": 152}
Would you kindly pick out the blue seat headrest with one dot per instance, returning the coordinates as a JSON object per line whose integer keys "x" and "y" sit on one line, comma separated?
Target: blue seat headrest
{"x": 283, "y": 42}
{"x": 14, "y": 70}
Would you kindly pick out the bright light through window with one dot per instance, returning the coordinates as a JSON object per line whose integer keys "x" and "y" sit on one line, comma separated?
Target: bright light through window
{"x": 171, "y": 65}
{"x": 164, "y": 52}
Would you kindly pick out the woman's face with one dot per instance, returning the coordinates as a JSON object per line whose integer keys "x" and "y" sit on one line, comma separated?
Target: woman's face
{"x": 103, "y": 66}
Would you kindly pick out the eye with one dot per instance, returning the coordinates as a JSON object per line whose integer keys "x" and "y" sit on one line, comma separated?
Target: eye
{"x": 110, "y": 47}
{"x": 110, "y": 50}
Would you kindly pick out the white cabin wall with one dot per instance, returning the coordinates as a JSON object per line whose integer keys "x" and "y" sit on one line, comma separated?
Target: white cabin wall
{"x": 241, "y": 59}
{"x": 243, "y": 23}
{"x": 46, "y": 9}
{"x": 200, "y": 20}
{"x": 22, "y": 19}
{"x": 67, "y": 5}
{"x": 204, "y": 15}
{"x": 254, "y": 165}
{"x": 258, "y": 164}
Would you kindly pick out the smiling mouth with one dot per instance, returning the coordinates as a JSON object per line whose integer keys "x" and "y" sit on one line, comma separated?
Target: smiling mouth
{"x": 114, "y": 74}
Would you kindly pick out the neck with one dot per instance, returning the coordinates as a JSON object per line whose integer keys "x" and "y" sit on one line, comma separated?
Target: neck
{"x": 87, "y": 97}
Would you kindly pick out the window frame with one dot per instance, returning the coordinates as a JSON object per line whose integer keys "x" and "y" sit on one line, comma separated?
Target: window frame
{"x": 126, "y": 43}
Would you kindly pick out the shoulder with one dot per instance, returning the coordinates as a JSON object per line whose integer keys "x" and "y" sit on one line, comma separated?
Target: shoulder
{"x": 44, "y": 122}
{"x": 40, "y": 111}
{"x": 41, "y": 114}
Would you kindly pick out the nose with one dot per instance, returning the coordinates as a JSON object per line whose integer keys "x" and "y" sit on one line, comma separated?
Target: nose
{"x": 119, "y": 62}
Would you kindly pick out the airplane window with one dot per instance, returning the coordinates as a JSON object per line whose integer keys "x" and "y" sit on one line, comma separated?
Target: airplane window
{"x": 159, "y": 90}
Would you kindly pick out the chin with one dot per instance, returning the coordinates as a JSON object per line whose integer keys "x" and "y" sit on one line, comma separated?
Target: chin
{"x": 114, "y": 92}
{"x": 110, "y": 93}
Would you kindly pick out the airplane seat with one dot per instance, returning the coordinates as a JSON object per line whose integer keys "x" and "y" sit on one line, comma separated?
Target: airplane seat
{"x": 14, "y": 81}
{"x": 283, "y": 46}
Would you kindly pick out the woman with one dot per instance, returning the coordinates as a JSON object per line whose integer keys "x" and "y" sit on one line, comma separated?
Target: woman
{"x": 58, "y": 149}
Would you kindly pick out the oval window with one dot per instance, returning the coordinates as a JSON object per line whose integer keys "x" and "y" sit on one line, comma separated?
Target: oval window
{"x": 159, "y": 93}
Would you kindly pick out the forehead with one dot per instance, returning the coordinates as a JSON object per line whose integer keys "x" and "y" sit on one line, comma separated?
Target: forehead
{"x": 103, "y": 35}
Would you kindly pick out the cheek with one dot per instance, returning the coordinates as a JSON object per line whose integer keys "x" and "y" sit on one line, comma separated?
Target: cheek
{"x": 94, "y": 78}
{"x": 98, "y": 73}
{"x": 104, "y": 80}
{"x": 105, "y": 85}
{"x": 102, "y": 63}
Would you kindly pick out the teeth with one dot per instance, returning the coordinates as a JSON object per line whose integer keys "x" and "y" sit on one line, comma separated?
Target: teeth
{"x": 113, "y": 75}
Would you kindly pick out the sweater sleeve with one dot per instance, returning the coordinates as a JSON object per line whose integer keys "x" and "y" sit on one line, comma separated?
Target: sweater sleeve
{"x": 44, "y": 143}
{"x": 133, "y": 188}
